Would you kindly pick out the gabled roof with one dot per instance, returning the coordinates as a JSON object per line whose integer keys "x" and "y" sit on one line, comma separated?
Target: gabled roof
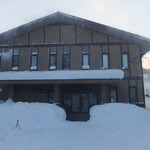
{"x": 60, "y": 17}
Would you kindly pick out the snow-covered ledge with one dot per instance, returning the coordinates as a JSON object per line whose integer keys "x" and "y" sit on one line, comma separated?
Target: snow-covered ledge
{"x": 62, "y": 75}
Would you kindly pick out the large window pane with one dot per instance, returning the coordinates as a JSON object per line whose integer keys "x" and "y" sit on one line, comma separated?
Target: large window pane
{"x": 66, "y": 61}
{"x": 124, "y": 61}
{"x": 85, "y": 64}
{"x": 105, "y": 61}
{"x": 52, "y": 61}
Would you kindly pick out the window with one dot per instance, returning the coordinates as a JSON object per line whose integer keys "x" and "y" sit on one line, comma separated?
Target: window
{"x": 52, "y": 60}
{"x": 66, "y": 61}
{"x": 85, "y": 61}
{"x": 113, "y": 94}
{"x": 33, "y": 61}
{"x": 15, "y": 59}
{"x": 125, "y": 64}
{"x": 105, "y": 63}
{"x": 133, "y": 94}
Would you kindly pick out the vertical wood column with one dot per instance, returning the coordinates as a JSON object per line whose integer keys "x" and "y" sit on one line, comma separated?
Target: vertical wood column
{"x": 11, "y": 92}
{"x": 56, "y": 93}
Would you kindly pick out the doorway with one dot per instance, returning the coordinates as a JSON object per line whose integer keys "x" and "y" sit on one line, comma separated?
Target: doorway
{"x": 78, "y": 103}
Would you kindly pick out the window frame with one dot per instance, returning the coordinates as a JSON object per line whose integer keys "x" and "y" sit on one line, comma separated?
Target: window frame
{"x": 55, "y": 55}
{"x": 83, "y": 54}
{"x": 63, "y": 66}
{"x": 123, "y": 61}
{"x": 136, "y": 96}
{"x": 34, "y": 53}
{"x": 15, "y": 67}
{"x": 107, "y": 61}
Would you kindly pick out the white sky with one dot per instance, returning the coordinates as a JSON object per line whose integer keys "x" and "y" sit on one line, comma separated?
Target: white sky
{"x": 128, "y": 15}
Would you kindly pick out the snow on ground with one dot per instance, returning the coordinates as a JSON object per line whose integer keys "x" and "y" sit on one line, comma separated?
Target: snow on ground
{"x": 43, "y": 127}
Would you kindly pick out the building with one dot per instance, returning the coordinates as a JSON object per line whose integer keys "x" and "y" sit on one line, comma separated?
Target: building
{"x": 73, "y": 62}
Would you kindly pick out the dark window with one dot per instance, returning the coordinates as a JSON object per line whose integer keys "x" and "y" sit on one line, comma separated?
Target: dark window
{"x": 133, "y": 94}
{"x": 33, "y": 65}
{"x": 15, "y": 59}
{"x": 66, "y": 61}
{"x": 85, "y": 61}
{"x": 113, "y": 94}
{"x": 52, "y": 61}
{"x": 105, "y": 61}
{"x": 125, "y": 64}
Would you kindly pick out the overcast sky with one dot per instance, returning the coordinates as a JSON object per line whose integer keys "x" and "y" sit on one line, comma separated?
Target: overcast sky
{"x": 128, "y": 15}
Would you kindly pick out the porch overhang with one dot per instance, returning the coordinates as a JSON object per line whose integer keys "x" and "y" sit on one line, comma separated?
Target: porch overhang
{"x": 61, "y": 77}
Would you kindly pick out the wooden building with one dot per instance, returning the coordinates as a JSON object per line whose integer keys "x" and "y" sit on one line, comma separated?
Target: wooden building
{"x": 73, "y": 62}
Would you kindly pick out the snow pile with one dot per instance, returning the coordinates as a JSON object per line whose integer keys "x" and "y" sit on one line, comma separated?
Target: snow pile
{"x": 62, "y": 75}
{"x": 30, "y": 115}
{"x": 43, "y": 127}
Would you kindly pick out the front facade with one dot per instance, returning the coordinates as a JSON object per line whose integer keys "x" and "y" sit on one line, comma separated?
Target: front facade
{"x": 66, "y": 49}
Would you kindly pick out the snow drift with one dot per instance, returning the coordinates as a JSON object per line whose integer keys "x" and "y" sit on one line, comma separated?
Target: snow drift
{"x": 43, "y": 127}
{"x": 30, "y": 115}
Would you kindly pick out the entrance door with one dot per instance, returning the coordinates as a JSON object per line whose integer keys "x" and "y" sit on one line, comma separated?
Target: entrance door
{"x": 78, "y": 104}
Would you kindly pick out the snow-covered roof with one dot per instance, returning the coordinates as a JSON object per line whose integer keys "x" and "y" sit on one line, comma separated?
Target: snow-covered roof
{"x": 62, "y": 75}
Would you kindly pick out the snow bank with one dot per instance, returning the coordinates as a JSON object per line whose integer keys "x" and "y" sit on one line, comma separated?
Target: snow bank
{"x": 62, "y": 75}
{"x": 43, "y": 127}
{"x": 30, "y": 115}
{"x": 120, "y": 116}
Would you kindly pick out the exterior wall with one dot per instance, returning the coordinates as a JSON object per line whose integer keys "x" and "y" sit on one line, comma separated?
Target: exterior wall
{"x": 72, "y": 35}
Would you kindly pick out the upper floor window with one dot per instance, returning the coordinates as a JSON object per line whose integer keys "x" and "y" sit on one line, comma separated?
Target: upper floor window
{"x": 85, "y": 60}
{"x": 133, "y": 94}
{"x": 66, "y": 59}
{"x": 52, "y": 60}
{"x": 125, "y": 64}
{"x": 33, "y": 64}
{"x": 15, "y": 59}
{"x": 105, "y": 61}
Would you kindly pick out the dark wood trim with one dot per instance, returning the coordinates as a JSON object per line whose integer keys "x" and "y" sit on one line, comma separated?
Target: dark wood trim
{"x": 140, "y": 49}
{"x": 61, "y": 44}
{"x": 132, "y": 78}
{"x": 129, "y": 57}
{"x": 44, "y": 34}
{"x": 75, "y": 34}
{"x": 29, "y": 38}
{"x": 59, "y": 34}
{"x": 91, "y": 36}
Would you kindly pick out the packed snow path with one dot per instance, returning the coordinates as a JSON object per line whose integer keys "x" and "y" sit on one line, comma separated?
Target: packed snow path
{"x": 43, "y": 127}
